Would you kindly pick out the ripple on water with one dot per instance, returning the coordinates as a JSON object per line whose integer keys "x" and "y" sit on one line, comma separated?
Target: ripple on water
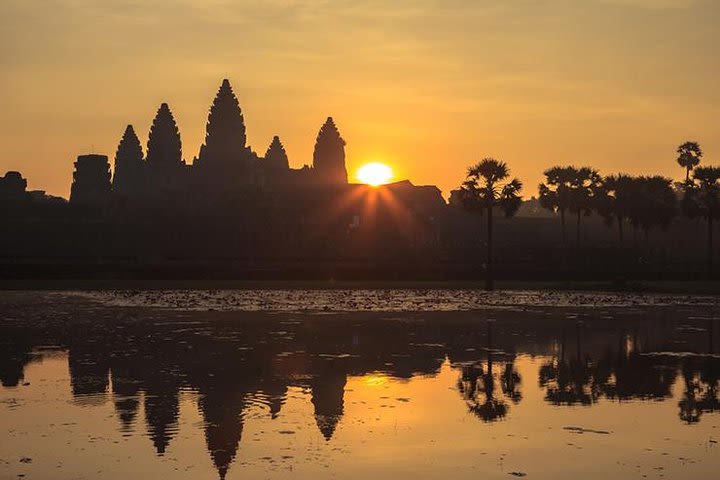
{"x": 385, "y": 300}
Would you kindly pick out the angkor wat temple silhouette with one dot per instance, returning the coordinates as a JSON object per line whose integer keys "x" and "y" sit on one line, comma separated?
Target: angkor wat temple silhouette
{"x": 224, "y": 165}
{"x": 229, "y": 206}
{"x": 232, "y": 213}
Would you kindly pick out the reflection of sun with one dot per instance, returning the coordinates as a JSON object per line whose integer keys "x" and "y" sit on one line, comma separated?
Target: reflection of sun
{"x": 375, "y": 380}
{"x": 374, "y": 173}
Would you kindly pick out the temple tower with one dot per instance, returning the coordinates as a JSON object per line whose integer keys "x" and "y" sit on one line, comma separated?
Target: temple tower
{"x": 166, "y": 170}
{"x": 128, "y": 179}
{"x": 329, "y": 156}
{"x": 276, "y": 158}
{"x": 224, "y": 158}
{"x": 91, "y": 181}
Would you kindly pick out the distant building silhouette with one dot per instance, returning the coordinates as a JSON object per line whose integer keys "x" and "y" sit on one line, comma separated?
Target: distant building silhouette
{"x": 91, "y": 181}
{"x": 129, "y": 175}
{"x": 224, "y": 161}
{"x": 12, "y": 187}
{"x": 276, "y": 158}
{"x": 329, "y": 155}
{"x": 167, "y": 172}
{"x": 225, "y": 164}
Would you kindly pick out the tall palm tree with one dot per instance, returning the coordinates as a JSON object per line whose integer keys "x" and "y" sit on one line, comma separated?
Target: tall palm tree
{"x": 613, "y": 200}
{"x": 584, "y": 185}
{"x": 486, "y": 187}
{"x": 555, "y": 192}
{"x": 702, "y": 199}
{"x": 657, "y": 203}
{"x": 689, "y": 155}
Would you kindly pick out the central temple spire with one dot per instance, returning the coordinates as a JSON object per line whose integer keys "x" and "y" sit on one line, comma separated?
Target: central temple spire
{"x": 329, "y": 155}
{"x": 164, "y": 146}
{"x": 225, "y": 137}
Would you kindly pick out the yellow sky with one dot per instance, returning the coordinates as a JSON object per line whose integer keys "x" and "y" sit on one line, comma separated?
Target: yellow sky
{"x": 427, "y": 86}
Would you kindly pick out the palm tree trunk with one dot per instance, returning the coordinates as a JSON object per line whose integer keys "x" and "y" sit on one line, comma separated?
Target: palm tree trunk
{"x": 577, "y": 240}
{"x": 621, "y": 252}
{"x": 489, "y": 284}
{"x": 710, "y": 246}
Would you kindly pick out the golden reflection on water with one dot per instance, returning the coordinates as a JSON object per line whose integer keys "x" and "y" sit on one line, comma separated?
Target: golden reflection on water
{"x": 417, "y": 427}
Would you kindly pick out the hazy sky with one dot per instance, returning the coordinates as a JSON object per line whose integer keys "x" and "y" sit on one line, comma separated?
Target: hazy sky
{"x": 427, "y": 86}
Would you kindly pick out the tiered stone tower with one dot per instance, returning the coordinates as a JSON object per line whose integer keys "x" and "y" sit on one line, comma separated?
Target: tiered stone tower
{"x": 329, "y": 156}
{"x": 91, "y": 181}
{"x": 129, "y": 178}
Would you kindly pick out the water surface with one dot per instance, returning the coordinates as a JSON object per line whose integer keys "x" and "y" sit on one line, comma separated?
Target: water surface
{"x": 241, "y": 385}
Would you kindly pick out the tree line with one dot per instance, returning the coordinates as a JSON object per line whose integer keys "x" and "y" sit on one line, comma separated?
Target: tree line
{"x": 643, "y": 202}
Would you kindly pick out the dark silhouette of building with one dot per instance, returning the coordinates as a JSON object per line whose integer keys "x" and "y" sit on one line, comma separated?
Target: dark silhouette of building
{"x": 129, "y": 175}
{"x": 329, "y": 155}
{"x": 91, "y": 181}
{"x": 276, "y": 166}
{"x": 224, "y": 161}
{"x": 12, "y": 187}
{"x": 225, "y": 166}
{"x": 167, "y": 172}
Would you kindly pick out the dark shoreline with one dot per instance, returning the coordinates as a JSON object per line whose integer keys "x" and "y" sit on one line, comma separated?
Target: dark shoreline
{"x": 670, "y": 287}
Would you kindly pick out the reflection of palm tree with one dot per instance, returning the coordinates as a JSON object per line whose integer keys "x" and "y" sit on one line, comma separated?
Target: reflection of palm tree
{"x": 510, "y": 383}
{"x": 641, "y": 376}
{"x": 702, "y": 382}
{"x": 690, "y": 410}
{"x": 710, "y": 376}
{"x": 478, "y": 389}
{"x": 483, "y": 190}
{"x": 568, "y": 382}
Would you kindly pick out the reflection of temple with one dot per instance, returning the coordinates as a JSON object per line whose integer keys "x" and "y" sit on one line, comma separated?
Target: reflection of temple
{"x": 252, "y": 362}
{"x": 328, "y": 390}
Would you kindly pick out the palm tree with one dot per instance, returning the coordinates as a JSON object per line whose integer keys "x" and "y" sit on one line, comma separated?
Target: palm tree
{"x": 555, "y": 192}
{"x": 689, "y": 155}
{"x": 702, "y": 199}
{"x": 613, "y": 200}
{"x": 485, "y": 188}
{"x": 657, "y": 203}
{"x": 584, "y": 185}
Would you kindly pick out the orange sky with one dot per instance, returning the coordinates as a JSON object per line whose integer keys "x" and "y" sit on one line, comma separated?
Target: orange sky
{"x": 427, "y": 86}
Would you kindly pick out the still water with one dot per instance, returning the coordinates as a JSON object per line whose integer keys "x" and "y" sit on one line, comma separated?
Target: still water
{"x": 126, "y": 385}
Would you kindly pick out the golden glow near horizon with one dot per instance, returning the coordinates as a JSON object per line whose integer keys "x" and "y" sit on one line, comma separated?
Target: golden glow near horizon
{"x": 433, "y": 85}
{"x": 374, "y": 173}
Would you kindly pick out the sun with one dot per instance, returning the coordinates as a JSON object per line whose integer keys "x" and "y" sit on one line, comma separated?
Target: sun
{"x": 374, "y": 173}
